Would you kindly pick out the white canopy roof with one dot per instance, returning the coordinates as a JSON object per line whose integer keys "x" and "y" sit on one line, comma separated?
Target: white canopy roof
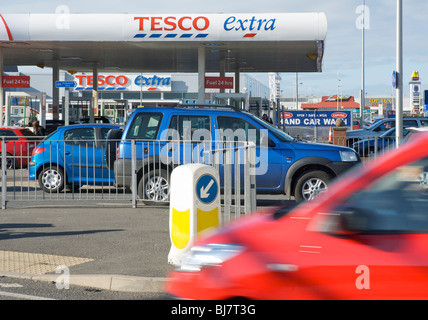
{"x": 261, "y": 42}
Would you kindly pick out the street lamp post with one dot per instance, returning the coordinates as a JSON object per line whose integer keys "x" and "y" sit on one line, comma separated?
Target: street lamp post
{"x": 363, "y": 90}
{"x": 399, "y": 76}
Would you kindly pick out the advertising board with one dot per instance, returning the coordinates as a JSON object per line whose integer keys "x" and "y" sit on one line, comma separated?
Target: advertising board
{"x": 315, "y": 118}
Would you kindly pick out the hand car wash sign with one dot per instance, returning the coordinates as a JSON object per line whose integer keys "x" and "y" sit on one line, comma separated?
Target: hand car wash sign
{"x": 315, "y": 118}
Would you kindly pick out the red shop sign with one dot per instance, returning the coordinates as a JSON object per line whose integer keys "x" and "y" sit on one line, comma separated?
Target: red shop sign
{"x": 219, "y": 82}
{"x": 16, "y": 82}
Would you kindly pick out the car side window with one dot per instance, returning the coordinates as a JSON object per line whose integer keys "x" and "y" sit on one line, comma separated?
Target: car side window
{"x": 394, "y": 203}
{"x": 385, "y": 126}
{"x": 193, "y": 127}
{"x": 424, "y": 123}
{"x": 145, "y": 126}
{"x": 103, "y": 136}
{"x": 237, "y": 129}
{"x": 410, "y": 123}
{"x": 82, "y": 137}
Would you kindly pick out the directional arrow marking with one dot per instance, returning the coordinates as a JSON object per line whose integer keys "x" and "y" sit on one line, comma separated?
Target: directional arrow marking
{"x": 204, "y": 191}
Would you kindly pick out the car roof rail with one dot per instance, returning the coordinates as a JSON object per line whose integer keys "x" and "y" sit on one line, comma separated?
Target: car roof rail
{"x": 205, "y": 106}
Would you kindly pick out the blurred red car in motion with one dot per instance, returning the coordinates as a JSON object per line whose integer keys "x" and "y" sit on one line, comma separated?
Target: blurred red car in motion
{"x": 365, "y": 238}
{"x": 20, "y": 143}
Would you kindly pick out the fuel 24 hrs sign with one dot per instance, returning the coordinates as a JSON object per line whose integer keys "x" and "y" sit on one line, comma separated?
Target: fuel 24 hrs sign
{"x": 315, "y": 118}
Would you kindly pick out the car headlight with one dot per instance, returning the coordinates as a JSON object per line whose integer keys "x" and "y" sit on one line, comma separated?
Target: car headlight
{"x": 209, "y": 255}
{"x": 348, "y": 156}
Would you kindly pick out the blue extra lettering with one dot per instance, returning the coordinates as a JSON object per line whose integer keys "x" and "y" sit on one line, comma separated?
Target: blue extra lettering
{"x": 253, "y": 24}
{"x": 152, "y": 81}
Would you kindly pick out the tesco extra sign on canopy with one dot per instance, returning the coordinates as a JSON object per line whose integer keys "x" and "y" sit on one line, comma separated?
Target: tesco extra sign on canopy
{"x": 194, "y": 27}
{"x": 315, "y": 118}
{"x": 121, "y": 82}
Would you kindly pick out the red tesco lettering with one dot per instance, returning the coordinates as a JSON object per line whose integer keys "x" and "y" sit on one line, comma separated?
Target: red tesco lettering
{"x": 109, "y": 80}
{"x": 170, "y": 23}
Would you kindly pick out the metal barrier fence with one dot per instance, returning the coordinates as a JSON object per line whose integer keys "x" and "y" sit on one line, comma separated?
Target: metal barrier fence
{"x": 82, "y": 171}
{"x": 368, "y": 147}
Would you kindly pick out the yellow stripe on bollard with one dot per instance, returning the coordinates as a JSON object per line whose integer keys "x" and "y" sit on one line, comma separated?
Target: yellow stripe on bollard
{"x": 206, "y": 219}
{"x": 180, "y": 228}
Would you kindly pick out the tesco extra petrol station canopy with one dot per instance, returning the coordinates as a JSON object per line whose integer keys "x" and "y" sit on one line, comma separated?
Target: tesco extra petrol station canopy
{"x": 259, "y": 42}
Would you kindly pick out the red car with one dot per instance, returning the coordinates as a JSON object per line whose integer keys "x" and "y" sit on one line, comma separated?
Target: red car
{"x": 20, "y": 143}
{"x": 364, "y": 238}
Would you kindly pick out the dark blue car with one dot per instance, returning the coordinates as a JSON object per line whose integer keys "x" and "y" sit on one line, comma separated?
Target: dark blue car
{"x": 72, "y": 156}
{"x": 371, "y": 146}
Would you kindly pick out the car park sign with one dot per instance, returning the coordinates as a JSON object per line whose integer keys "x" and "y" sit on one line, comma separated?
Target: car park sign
{"x": 315, "y": 118}
{"x": 65, "y": 84}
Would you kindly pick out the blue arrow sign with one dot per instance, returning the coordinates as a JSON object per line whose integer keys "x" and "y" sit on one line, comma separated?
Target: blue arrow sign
{"x": 65, "y": 84}
{"x": 207, "y": 188}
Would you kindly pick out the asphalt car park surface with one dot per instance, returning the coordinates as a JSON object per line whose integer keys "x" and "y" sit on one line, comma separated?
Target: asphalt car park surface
{"x": 107, "y": 245}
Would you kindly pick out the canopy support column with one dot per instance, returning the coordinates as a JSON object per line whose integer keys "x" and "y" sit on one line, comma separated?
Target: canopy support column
{"x": 201, "y": 75}
{"x": 55, "y": 92}
{"x": 1, "y": 89}
{"x": 94, "y": 103}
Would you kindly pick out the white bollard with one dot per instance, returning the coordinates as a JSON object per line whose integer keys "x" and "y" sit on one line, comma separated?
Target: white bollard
{"x": 194, "y": 206}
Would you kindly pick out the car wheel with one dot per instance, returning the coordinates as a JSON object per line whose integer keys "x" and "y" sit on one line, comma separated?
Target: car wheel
{"x": 10, "y": 161}
{"x": 51, "y": 179}
{"x": 310, "y": 184}
{"x": 153, "y": 188}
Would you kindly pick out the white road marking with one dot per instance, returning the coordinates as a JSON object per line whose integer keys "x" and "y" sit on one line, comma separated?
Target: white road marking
{"x": 22, "y": 296}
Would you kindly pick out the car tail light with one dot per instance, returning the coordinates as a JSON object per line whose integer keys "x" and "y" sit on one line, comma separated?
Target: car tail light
{"x": 38, "y": 150}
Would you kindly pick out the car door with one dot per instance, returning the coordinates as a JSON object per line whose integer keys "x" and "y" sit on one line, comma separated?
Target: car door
{"x": 103, "y": 175}
{"x": 188, "y": 136}
{"x": 268, "y": 157}
{"x": 373, "y": 245}
{"x": 79, "y": 154}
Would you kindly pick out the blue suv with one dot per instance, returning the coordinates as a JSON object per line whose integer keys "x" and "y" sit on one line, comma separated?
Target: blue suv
{"x": 285, "y": 166}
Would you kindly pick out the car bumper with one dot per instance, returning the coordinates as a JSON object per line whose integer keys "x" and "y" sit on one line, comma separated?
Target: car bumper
{"x": 123, "y": 172}
{"x": 340, "y": 167}
{"x": 31, "y": 170}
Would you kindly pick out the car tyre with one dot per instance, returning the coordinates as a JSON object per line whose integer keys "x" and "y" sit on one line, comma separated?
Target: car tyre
{"x": 310, "y": 184}
{"x": 154, "y": 187}
{"x": 51, "y": 179}
{"x": 10, "y": 161}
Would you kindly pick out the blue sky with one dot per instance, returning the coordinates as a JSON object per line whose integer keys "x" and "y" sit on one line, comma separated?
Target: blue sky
{"x": 342, "y": 56}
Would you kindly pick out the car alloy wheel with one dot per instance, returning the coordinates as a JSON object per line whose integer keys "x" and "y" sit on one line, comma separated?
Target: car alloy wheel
{"x": 154, "y": 187}
{"x": 311, "y": 184}
{"x": 52, "y": 179}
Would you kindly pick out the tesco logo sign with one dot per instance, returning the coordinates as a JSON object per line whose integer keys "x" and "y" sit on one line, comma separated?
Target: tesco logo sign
{"x": 121, "y": 82}
{"x": 110, "y": 80}
{"x": 172, "y": 23}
